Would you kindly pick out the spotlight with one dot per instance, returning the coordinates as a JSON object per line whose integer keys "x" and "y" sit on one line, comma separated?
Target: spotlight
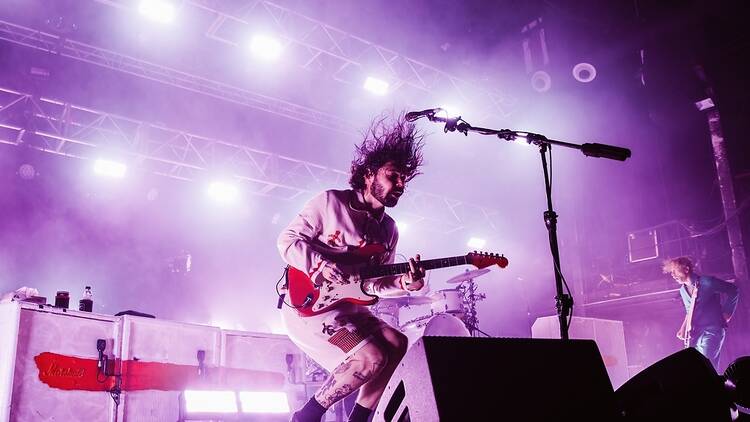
{"x": 376, "y": 86}
{"x": 584, "y": 72}
{"x": 233, "y": 405}
{"x": 402, "y": 227}
{"x": 264, "y": 402}
{"x": 110, "y": 168}
{"x": 476, "y": 243}
{"x": 705, "y": 104}
{"x": 541, "y": 81}
{"x": 266, "y": 48}
{"x": 201, "y": 404}
{"x": 157, "y": 10}
{"x": 448, "y": 112}
{"x": 223, "y": 192}
{"x": 26, "y": 171}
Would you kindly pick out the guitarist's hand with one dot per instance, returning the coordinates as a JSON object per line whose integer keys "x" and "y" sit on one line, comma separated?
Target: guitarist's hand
{"x": 414, "y": 279}
{"x": 332, "y": 272}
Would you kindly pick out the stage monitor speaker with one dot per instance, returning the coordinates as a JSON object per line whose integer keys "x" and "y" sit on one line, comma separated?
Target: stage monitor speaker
{"x": 683, "y": 386}
{"x": 498, "y": 379}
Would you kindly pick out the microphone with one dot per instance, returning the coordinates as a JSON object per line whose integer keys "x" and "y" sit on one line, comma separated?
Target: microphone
{"x": 308, "y": 300}
{"x": 414, "y": 115}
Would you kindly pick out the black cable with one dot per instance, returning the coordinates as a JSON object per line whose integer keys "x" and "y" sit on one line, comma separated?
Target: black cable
{"x": 283, "y": 295}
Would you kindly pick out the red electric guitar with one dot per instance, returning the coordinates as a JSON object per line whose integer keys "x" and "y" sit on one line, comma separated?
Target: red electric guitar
{"x": 311, "y": 300}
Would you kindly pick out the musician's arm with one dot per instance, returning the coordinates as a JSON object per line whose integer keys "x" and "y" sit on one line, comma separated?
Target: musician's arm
{"x": 681, "y": 334}
{"x": 731, "y": 296}
{"x": 295, "y": 243}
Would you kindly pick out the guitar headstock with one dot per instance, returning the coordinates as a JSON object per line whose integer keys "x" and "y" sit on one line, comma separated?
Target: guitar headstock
{"x": 486, "y": 259}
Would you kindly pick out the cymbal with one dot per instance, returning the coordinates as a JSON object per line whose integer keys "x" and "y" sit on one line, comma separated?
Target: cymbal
{"x": 467, "y": 275}
{"x": 408, "y": 300}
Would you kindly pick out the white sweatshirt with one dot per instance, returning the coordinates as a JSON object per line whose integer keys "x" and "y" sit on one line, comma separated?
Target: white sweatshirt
{"x": 330, "y": 224}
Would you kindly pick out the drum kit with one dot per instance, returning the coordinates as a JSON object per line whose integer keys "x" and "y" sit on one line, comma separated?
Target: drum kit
{"x": 452, "y": 311}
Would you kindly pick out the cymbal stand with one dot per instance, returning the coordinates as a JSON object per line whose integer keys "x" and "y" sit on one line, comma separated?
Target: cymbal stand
{"x": 469, "y": 298}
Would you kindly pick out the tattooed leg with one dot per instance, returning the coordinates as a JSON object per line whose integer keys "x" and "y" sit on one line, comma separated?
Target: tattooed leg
{"x": 395, "y": 345}
{"x": 355, "y": 371}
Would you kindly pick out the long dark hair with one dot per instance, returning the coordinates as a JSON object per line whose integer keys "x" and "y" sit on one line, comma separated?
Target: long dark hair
{"x": 398, "y": 141}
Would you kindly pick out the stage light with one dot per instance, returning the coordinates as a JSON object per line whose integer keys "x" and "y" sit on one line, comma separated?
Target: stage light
{"x": 157, "y": 10}
{"x": 26, "y": 171}
{"x": 209, "y": 402}
{"x": 266, "y": 48}
{"x": 705, "y": 104}
{"x": 448, "y": 111}
{"x": 402, "y": 227}
{"x": 223, "y": 192}
{"x": 584, "y": 72}
{"x": 541, "y": 81}
{"x": 376, "y": 86}
{"x": 476, "y": 243}
{"x": 110, "y": 168}
{"x": 264, "y": 402}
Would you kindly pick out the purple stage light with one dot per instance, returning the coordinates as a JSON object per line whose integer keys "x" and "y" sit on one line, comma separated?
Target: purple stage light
{"x": 476, "y": 243}
{"x": 264, "y": 402}
{"x": 223, "y": 192}
{"x": 376, "y": 86}
{"x": 266, "y": 48}
{"x": 221, "y": 402}
{"x": 157, "y": 10}
{"x": 26, "y": 171}
{"x": 110, "y": 168}
{"x": 584, "y": 72}
{"x": 541, "y": 81}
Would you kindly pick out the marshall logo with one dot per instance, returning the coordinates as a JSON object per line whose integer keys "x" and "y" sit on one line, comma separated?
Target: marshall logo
{"x": 55, "y": 370}
{"x": 70, "y": 372}
{"x": 77, "y": 373}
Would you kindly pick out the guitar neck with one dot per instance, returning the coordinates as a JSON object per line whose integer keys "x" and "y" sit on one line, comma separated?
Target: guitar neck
{"x": 396, "y": 269}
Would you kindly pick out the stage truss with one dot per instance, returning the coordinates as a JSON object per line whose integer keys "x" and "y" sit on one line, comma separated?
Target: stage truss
{"x": 74, "y": 131}
{"x": 345, "y": 57}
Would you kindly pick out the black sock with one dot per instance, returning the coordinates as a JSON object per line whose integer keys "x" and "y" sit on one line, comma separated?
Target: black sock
{"x": 359, "y": 413}
{"x": 312, "y": 411}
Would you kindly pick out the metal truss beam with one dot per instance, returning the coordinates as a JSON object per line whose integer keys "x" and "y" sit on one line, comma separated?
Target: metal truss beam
{"x": 112, "y": 60}
{"x": 347, "y": 58}
{"x": 74, "y": 131}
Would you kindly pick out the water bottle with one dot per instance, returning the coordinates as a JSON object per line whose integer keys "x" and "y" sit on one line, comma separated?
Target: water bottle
{"x": 86, "y": 303}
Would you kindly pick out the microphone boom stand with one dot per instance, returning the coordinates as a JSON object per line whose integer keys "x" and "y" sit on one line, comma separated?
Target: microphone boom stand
{"x": 563, "y": 301}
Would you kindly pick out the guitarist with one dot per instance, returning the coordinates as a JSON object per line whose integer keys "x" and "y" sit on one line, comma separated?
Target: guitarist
{"x": 357, "y": 348}
{"x": 709, "y": 305}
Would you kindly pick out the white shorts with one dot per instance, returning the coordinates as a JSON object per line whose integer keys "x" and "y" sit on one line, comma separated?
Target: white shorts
{"x": 331, "y": 337}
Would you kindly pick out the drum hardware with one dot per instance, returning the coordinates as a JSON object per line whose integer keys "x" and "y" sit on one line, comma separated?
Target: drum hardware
{"x": 467, "y": 275}
{"x": 469, "y": 298}
{"x": 434, "y": 325}
{"x": 448, "y": 301}
{"x": 388, "y": 309}
{"x": 409, "y": 300}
